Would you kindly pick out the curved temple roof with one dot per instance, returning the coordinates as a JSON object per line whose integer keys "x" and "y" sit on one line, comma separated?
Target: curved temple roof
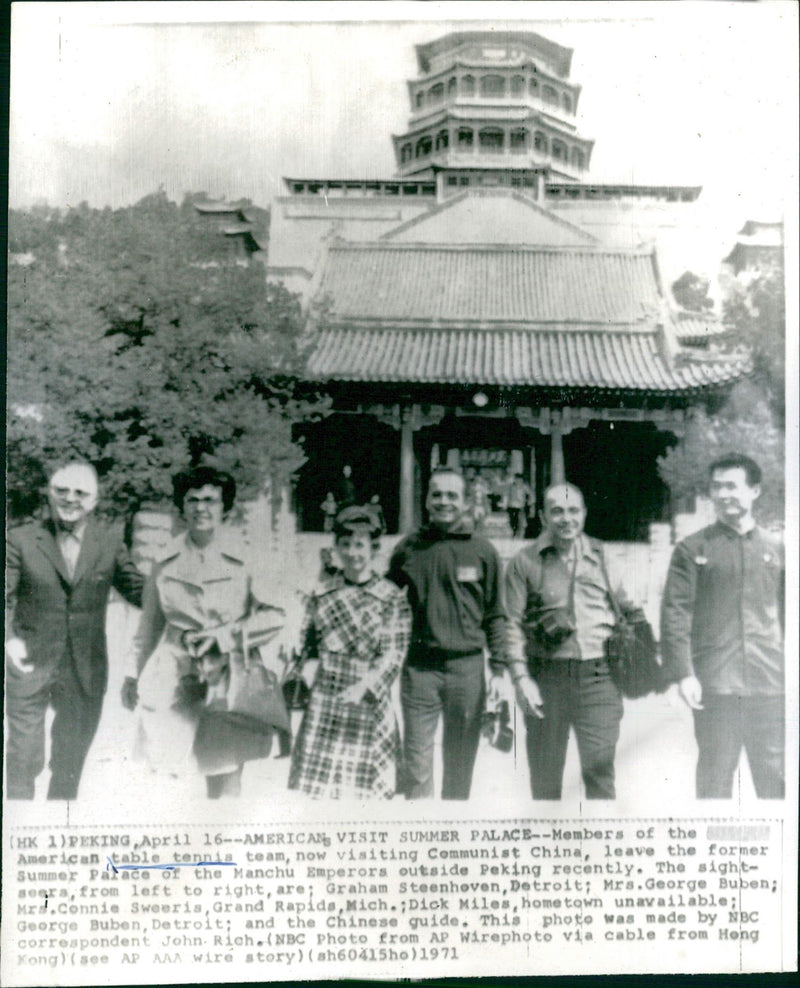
{"x": 576, "y": 317}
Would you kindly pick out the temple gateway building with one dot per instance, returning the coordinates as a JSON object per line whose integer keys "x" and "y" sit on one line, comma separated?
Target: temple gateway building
{"x": 490, "y": 306}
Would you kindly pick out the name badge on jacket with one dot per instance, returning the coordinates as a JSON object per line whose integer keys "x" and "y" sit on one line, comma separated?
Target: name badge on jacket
{"x": 467, "y": 574}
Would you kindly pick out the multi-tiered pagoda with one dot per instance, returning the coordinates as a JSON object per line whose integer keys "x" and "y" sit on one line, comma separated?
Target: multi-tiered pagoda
{"x": 480, "y": 307}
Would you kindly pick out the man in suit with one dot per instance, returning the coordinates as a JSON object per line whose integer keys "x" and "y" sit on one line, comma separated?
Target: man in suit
{"x": 58, "y": 577}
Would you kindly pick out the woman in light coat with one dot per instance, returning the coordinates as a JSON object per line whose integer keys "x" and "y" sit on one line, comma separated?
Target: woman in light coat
{"x": 202, "y": 593}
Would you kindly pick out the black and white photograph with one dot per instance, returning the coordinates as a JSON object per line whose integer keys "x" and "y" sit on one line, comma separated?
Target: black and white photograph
{"x": 401, "y": 491}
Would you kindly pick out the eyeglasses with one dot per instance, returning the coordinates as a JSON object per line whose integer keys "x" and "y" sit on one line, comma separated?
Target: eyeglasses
{"x": 65, "y": 492}
{"x": 201, "y": 502}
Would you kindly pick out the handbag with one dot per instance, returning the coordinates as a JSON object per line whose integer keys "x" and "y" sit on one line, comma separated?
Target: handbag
{"x": 631, "y": 649}
{"x": 241, "y": 731}
{"x": 296, "y": 691}
{"x": 255, "y": 699}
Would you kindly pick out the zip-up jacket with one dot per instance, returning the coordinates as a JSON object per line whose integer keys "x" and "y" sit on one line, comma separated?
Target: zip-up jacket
{"x": 721, "y": 617}
{"x": 453, "y": 581}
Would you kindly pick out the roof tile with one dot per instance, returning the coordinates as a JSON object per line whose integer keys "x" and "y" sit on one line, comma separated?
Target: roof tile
{"x": 573, "y": 357}
{"x": 409, "y": 282}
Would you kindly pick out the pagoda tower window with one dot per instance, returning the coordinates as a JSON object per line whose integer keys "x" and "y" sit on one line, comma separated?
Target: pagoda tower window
{"x": 406, "y": 152}
{"x": 468, "y": 85}
{"x": 452, "y": 86}
{"x": 442, "y": 140}
{"x": 419, "y": 99}
{"x": 518, "y": 140}
{"x": 493, "y": 85}
{"x": 540, "y": 142}
{"x": 424, "y": 145}
{"x": 549, "y": 95}
{"x": 491, "y": 139}
{"x": 533, "y": 86}
{"x": 517, "y": 85}
{"x": 577, "y": 158}
{"x": 436, "y": 93}
{"x": 465, "y": 138}
{"x": 559, "y": 151}
{"x": 566, "y": 102}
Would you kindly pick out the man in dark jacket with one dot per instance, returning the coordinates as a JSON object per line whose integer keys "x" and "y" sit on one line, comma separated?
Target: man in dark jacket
{"x": 58, "y": 577}
{"x": 453, "y": 580}
{"x": 722, "y": 636}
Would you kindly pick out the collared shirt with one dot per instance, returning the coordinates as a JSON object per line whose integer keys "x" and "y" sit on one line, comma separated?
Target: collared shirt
{"x": 721, "y": 617}
{"x": 454, "y": 591}
{"x": 538, "y": 579}
{"x": 69, "y": 542}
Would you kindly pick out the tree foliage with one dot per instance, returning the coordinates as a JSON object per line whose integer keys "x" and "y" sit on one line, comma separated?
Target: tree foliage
{"x": 690, "y": 291}
{"x": 743, "y": 425}
{"x": 751, "y": 419}
{"x": 136, "y": 342}
{"x": 755, "y": 312}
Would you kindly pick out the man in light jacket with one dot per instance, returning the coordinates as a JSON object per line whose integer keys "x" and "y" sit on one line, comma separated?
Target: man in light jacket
{"x": 559, "y": 618}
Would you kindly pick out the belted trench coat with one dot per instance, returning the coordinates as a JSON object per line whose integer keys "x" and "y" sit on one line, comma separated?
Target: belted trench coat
{"x": 190, "y": 589}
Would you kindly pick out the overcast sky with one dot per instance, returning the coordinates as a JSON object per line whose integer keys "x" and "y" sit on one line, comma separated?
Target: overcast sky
{"x": 109, "y": 101}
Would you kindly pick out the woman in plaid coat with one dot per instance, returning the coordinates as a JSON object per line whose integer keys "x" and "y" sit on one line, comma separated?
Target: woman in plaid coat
{"x": 357, "y": 624}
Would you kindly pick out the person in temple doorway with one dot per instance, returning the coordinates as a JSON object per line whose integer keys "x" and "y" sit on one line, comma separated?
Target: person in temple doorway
{"x": 347, "y": 488}
{"x": 519, "y": 495}
{"x": 453, "y": 581}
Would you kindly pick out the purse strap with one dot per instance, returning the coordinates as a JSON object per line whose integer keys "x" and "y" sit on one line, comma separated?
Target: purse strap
{"x": 571, "y": 591}
{"x": 612, "y": 597}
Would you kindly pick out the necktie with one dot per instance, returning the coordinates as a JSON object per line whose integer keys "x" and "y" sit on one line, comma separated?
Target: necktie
{"x": 70, "y": 549}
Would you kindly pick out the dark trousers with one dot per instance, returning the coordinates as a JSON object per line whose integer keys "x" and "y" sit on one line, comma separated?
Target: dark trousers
{"x": 455, "y": 687}
{"x": 724, "y": 726}
{"x": 578, "y": 694}
{"x": 74, "y": 726}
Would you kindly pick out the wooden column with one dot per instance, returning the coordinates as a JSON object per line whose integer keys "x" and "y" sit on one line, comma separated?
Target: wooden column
{"x": 407, "y": 420}
{"x": 557, "y": 471}
{"x": 406, "y": 522}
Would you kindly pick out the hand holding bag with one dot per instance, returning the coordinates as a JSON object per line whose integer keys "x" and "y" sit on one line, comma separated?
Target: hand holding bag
{"x": 240, "y": 728}
{"x": 631, "y": 649}
{"x": 255, "y": 698}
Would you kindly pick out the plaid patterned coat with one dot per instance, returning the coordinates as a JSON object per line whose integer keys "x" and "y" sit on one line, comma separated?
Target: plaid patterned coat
{"x": 359, "y": 633}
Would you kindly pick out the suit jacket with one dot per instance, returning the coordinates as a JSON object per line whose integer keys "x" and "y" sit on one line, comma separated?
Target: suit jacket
{"x": 55, "y": 616}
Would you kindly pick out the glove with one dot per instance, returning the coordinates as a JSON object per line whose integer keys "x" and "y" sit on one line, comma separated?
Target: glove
{"x": 130, "y": 693}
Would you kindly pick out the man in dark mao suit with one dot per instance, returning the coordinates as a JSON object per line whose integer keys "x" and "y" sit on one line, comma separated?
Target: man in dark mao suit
{"x": 58, "y": 577}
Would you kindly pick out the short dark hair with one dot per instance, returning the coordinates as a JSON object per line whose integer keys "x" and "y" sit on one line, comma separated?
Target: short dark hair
{"x": 356, "y": 518}
{"x": 737, "y": 461}
{"x": 196, "y": 477}
{"x": 444, "y": 469}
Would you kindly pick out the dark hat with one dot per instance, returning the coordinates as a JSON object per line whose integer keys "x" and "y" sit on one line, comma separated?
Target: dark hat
{"x": 359, "y": 518}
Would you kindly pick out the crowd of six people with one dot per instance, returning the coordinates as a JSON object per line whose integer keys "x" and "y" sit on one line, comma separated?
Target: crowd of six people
{"x": 195, "y": 678}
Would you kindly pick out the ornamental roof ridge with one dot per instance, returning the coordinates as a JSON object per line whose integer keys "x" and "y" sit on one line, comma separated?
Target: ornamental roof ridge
{"x": 488, "y": 193}
{"x": 610, "y": 250}
{"x": 642, "y": 325}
